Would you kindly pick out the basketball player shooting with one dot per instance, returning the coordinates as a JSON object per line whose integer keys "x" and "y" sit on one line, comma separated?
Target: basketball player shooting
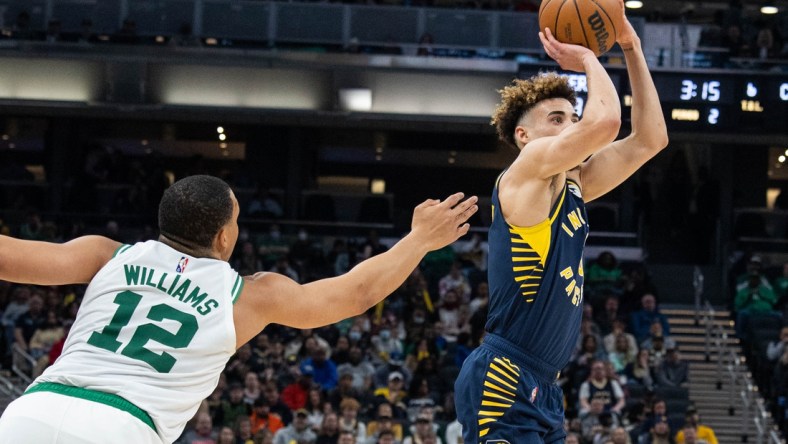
{"x": 506, "y": 391}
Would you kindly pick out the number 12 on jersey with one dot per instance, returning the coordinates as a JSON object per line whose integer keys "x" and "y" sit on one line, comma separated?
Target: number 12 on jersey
{"x": 127, "y": 302}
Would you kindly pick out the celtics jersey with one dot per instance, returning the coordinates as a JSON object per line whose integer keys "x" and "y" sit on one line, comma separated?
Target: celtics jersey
{"x": 536, "y": 278}
{"x": 155, "y": 327}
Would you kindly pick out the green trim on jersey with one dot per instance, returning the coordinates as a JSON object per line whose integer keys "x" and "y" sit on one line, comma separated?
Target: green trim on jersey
{"x": 238, "y": 286}
{"x": 122, "y": 249}
{"x": 95, "y": 396}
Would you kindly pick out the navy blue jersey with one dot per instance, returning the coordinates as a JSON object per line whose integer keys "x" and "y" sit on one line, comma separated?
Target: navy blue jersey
{"x": 536, "y": 278}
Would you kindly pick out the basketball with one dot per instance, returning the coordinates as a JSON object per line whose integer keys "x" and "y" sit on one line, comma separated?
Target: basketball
{"x": 589, "y": 23}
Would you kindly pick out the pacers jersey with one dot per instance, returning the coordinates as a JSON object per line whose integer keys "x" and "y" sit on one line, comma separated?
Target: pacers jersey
{"x": 536, "y": 278}
{"x": 155, "y": 327}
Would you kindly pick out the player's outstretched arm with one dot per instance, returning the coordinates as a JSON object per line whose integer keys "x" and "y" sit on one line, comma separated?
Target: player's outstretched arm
{"x": 273, "y": 298}
{"x": 615, "y": 163}
{"x": 548, "y": 156}
{"x": 45, "y": 263}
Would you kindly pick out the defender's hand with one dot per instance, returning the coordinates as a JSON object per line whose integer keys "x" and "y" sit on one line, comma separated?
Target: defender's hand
{"x": 438, "y": 224}
{"x": 569, "y": 57}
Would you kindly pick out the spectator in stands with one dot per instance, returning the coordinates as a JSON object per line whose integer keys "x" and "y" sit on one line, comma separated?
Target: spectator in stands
{"x": 619, "y": 435}
{"x": 298, "y": 431}
{"x": 372, "y": 245}
{"x": 384, "y": 345}
{"x": 263, "y": 419}
{"x": 383, "y": 423}
{"x": 636, "y": 285}
{"x": 754, "y": 267}
{"x": 45, "y": 336}
{"x": 202, "y": 431}
{"x": 386, "y": 437}
{"x": 264, "y": 205}
{"x": 639, "y": 372}
{"x": 393, "y": 394}
{"x": 233, "y": 407}
{"x": 295, "y": 394}
{"x": 30, "y": 321}
{"x": 243, "y": 431}
{"x": 604, "y": 274}
{"x": 57, "y": 347}
{"x": 764, "y": 41}
{"x": 423, "y": 432}
{"x": 659, "y": 433}
{"x": 324, "y": 371}
{"x": 693, "y": 432}
{"x": 643, "y": 318}
{"x": 226, "y": 436}
{"x": 282, "y": 266}
{"x": 349, "y": 421}
{"x": 453, "y": 433}
{"x": 329, "y": 429}
{"x": 360, "y": 369}
{"x": 272, "y": 245}
{"x": 316, "y": 407}
{"x": 571, "y": 438}
{"x": 453, "y": 315}
{"x": 18, "y": 306}
{"x": 425, "y": 45}
{"x": 623, "y": 355}
{"x": 242, "y": 363}
{"x": 756, "y": 299}
{"x": 247, "y": 262}
{"x": 606, "y": 317}
{"x": 599, "y": 386}
{"x": 775, "y": 349}
{"x": 672, "y": 371}
{"x": 275, "y": 403}
{"x": 419, "y": 396}
{"x": 396, "y": 364}
{"x": 252, "y": 388}
{"x": 421, "y": 350}
{"x": 596, "y": 421}
{"x": 619, "y": 328}
{"x": 457, "y": 282}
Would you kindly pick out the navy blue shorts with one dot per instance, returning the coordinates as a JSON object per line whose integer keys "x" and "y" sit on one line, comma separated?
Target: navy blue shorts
{"x": 502, "y": 395}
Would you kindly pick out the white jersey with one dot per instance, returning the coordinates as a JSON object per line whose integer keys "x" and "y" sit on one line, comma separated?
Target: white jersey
{"x": 155, "y": 327}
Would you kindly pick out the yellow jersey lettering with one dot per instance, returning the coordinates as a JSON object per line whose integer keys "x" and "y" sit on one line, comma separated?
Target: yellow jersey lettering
{"x": 567, "y": 273}
{"x": 568, "y": 231}
{"x": 571, "y": 287}
{"x": 580, "y": 216}
{"x": 574, "y": 220}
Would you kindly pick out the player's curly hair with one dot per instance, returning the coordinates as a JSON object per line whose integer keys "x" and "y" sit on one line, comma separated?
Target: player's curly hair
{"x": 522, "y": 95}
{"x": 194, "y": 208}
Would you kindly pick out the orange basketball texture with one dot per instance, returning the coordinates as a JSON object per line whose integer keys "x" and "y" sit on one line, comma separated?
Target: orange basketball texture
{"x": 589, "y": 23}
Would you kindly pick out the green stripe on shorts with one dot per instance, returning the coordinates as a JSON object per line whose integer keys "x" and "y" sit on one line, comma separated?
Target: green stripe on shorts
{"x": 95, "y": 396}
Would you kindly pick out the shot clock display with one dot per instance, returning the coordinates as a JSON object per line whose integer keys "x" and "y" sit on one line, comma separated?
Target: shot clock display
{"x": 709, "y": 101}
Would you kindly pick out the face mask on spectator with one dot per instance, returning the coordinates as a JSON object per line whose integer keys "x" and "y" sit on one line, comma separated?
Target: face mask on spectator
{"x": 354, "y": 335}
{"x": 385, "y": 335}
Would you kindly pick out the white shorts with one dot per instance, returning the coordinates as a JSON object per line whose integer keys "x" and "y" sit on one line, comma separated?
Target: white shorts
{"x": 52, "y": 418}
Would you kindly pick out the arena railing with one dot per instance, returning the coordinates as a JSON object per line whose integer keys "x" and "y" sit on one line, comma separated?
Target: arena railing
{"x": 22, "y": 364}
{"x": 733, "y": 375}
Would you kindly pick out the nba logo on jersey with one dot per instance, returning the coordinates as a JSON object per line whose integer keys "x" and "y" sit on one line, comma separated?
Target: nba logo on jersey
{"x": 533, "y": 393}
{"x": 182, "y": 264}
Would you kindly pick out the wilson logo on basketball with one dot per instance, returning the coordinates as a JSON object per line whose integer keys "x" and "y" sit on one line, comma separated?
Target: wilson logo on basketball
{"x": 600, "y": 31}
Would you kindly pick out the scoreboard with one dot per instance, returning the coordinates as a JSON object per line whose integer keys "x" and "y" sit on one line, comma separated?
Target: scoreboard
{"x": 740, "y": 102}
